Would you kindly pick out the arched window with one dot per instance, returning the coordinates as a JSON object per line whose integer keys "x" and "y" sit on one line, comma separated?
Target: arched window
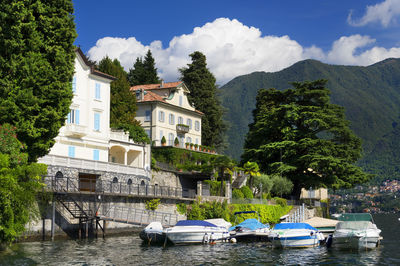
{"x": 115, "y": 180}
{"x": 142, "y": 183}
{"x": 129, "y": 181}
{"x": 59, "y": 174}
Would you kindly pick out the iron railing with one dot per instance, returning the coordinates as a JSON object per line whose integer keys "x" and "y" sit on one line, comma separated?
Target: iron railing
{"x": 65, "y": 184}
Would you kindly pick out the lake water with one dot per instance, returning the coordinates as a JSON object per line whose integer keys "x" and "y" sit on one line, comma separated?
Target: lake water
{"x": 128, "y": 250}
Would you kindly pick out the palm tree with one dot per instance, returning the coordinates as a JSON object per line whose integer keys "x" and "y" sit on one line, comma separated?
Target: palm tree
{"x": 252, "y": 169}
{"x": 223, "y": 164}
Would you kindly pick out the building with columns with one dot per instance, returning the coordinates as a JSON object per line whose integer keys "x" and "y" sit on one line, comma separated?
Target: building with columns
{"x": 86, "y": 147}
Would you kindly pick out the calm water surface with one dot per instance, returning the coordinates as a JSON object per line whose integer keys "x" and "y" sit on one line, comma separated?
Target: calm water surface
{"x": 128, "y": 250}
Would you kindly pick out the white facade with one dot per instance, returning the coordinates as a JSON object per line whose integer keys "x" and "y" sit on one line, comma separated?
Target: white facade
{"x": 162, "y": 108}
{"x": 87, "y": 135}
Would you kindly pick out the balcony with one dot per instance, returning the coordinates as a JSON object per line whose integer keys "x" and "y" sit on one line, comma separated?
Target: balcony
{"x": 75, "y": 130}
{"x": 182, "y": 129}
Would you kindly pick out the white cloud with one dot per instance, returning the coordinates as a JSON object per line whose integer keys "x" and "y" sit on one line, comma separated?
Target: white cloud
{"x": 384, "y": 12}
{"x": 234, "y": 49}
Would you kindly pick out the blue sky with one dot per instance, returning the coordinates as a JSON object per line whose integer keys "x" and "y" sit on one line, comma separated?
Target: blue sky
{"x": 239, "y": 37}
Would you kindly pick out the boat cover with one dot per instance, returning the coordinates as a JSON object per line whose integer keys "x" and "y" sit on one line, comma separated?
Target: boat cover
{"x": 283, "y": 226}
{"x": 251, "y": 224}
{"x": 355, "y": 217}
{"x": 194, "y": 223}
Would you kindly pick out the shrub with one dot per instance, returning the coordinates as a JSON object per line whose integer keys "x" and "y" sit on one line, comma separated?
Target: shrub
{"x": 237, "y": 194}
{"x": 247, "y": 192}
{"x": 281, "y": 202}
{"x": 176, "y": 141}
{"x": 152, "y": 205}
{"x": 181, "y": 208}
{"x": 163, "y": 140}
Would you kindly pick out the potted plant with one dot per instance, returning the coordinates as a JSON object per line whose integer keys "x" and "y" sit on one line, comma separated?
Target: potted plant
{"x": 163, "y": 141}
{"x": 176, "y": 142}
{"x": 196, "y": 146}
{"x": 191, "y": 146}
{"x": 187, "y": 145}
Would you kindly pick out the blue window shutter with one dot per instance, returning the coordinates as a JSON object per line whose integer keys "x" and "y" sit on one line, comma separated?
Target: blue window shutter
{"x": 69, "y": 118}
{"x": 77, "y": 117}
{"x": 96, "y": 154}
{"x": 74, "y": 84}
{"x": 97, "y": 93}
{"x": 71, "y": 151}
{"x": 97, "y": 121}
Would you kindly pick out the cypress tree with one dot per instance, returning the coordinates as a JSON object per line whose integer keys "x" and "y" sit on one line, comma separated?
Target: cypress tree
{"x": 203, "y": 95}
{"x": 122, "y": 101}
{"x": 36, "y": 69}
{"x": 143, "y": 71}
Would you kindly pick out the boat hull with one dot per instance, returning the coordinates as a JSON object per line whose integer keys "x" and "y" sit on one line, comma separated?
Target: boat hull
{"x": 152, "y": 238}
{"x": 250, "y": 236}
{"x": 295, "y": 242}
{"x": 196, "y": 235}
{"x": 354, "y": 242}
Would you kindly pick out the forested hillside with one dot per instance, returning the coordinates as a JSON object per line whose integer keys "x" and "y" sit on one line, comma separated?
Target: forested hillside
{"x": 370, "y": 95}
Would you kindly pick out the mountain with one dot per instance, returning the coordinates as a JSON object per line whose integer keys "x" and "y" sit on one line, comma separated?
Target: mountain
{"x": 370, "y": 96}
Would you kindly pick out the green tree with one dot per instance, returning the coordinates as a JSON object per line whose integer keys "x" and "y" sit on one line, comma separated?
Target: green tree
{"x": 143, "y": 71}
{"x": 122, "y": 101}
{"x": 299, "y": 134}
{"x": 281, "y": 185}
{"x": 203, "y": 95}
{"x": 19, "y": 185}
{"x": 248, "y": 194}
{"x": 224, "y": 164}
{"x": 36, "y": 69}
{"x": 263, "y": 183}
{"x": 252, "y": 169}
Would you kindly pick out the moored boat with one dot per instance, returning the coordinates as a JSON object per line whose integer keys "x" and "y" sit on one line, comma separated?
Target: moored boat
{"x": 295, "y": 235}
{"x": 249, "y": 230}
{"x": 153, "y": 233}
{"x": 196, "y": 232}
{"x": 355, "y": 231}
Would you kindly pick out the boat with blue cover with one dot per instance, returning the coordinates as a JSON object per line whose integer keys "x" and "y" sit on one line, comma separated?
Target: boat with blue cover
{"x": 296, "y": 235}
{"x": 196, "y": 232}
{"x": 250, "y": 229}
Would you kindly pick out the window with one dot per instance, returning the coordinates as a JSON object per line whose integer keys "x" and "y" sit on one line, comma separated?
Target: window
{"x": 189, "y": 139}
{"x": 71, "y": 151}
{"x": 161, "y": 135}
{"x": 96, "y": 125}
{"x": 142, "y": 183}
{"x": 129, "y": 182}
{"x": 148, "y": 133}
{"x": 197, "y": 141}
{"x": 73, "y": 117}
{"x": 180, "y": 120}
{"x": 189, "y": 123}
{"x": 115, "y": 180}
{"x": 171, "y": 119}
{"x": 180, "y": 100}
{"x": 161, "y": 116}
{"x": 96, "y": 154}
{"x": 197, "y": 125}
{"x": 171, "y": 139}
{"x": 59, "y": 174}
{"x": 97, "y": 91}
{"x": 74, "y": 84}
{"x": 147, "y": 116}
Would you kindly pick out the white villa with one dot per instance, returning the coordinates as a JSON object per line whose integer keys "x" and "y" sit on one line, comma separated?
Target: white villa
{"x": 164, "y": 110}
{"x": 86, "y": 147}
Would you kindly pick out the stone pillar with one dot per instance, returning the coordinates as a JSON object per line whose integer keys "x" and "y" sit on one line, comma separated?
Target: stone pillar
{"x": 228, "y": 192}
{"x": 125, "y": 158}
{"x": 199, "y": 188}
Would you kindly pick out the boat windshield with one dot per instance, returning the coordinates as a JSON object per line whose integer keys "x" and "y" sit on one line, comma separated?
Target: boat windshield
{"x": 355, "y": 225}
{"x": 355, "y": 217}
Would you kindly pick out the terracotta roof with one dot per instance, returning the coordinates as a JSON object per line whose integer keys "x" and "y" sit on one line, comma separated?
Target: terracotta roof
{"x": 166, "y": 85}
{"x": 150, "y": 96}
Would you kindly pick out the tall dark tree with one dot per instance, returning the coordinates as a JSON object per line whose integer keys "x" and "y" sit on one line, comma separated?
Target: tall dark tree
{"x": 203, "y": 95}
{"x": 36, "y": 69}
{"x": 299, "y": 134}
{"x": 122, "y": 101}
{"x": 143, "y": 71}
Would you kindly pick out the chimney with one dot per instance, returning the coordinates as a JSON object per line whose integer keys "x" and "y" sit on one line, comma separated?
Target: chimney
{"x": 162, "y": 83}
{"x": 141, "y": 94}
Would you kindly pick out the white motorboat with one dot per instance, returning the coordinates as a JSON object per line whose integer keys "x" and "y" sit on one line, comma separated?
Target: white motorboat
{"x": 153, "y": 233}
{"x": 355, "y": 231}
{"x": 196, "y": 231}
{"x": 295, "y": 235}
{"x": 249, "y": 230}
